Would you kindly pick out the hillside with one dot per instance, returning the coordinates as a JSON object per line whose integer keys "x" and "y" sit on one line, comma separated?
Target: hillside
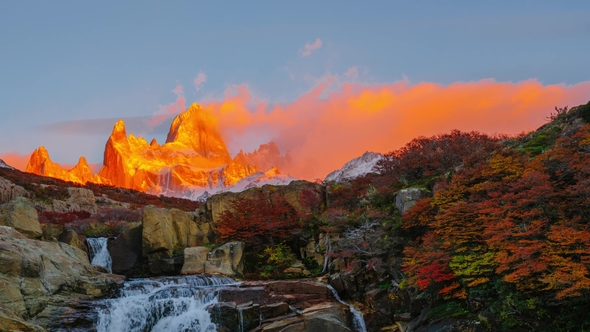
{"x": 458, "y": 231}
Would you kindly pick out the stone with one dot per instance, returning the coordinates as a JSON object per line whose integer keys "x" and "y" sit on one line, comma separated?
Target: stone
{"x": 181, "y": 223}
{"x": 378, "y": 300}
{"x": 9, "y": 321}
{"x": 227, "y": 260}
{"x": 10, "y": 191}
{"x": 21, "y": 215}
{"x": 126, "y": 250}
{"x": 194, "y": 260}
{"x": 82, "y": 199}
{"x": 72, "y": 238}
{"x": 51, "y": 232}
{"x": 158, "y": 232}
{"x": 405, "y": 199}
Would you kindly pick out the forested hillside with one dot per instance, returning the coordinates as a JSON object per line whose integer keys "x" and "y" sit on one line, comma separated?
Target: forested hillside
{"x": 498, "y": 239}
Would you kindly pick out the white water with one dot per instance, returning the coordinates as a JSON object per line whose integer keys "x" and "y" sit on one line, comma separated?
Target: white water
{"x": 166, "y": 304}
{"x": 358, "y": 321}
{"x": 99, "y": 253}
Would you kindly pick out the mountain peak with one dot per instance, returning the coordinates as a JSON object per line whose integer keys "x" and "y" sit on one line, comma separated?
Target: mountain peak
{"x": 196, "y": 128}
{"x": 119, "y": 132}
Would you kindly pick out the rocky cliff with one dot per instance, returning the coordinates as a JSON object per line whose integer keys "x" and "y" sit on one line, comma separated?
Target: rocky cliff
{"x": 193, "y": 157}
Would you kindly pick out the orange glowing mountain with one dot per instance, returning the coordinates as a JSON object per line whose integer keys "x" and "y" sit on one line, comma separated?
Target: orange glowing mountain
{"x": 193, "y": 156}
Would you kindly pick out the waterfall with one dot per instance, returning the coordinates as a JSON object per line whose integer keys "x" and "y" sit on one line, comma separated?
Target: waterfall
{"x": 99, "y": 253}
{"x": 357, "y": 317}
{"x": 166, "y": 304}
{"x": 240, "y": 320}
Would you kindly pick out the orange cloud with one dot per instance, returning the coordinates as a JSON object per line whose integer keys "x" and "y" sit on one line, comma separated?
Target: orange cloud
{"x": 331, "y": 124}
{"x": 16, "y": 160}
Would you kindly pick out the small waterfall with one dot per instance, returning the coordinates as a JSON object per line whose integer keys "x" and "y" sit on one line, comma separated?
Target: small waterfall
{"x": 240, "y": 320}
{"x": 99, "y": 253}
{"x": 167, "y": 304}
{"x": 357, "y": 317}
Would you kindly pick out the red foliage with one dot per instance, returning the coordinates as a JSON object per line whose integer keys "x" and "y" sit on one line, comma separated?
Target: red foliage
{"x": 258, "y": 221}
{"x": 62, "y": 218}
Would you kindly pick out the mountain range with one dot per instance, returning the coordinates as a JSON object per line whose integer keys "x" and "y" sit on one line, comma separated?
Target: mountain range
{"x": 194, "y": 159}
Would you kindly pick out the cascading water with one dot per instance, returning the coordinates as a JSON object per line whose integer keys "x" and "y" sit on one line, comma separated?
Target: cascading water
{"x": 167, "y": 304}
{"x": 358, "y": 321}
{"x": 99, "y": 253}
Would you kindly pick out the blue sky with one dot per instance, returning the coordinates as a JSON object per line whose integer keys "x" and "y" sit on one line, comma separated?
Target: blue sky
{"x": 64, "y": 61}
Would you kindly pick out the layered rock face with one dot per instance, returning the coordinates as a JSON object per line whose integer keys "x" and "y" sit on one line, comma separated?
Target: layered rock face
{"x": 165, "y": 233}
{"x": 9, "y": 191}
{"x": 295, "y": 305}
{"x": 193, "y": 156}
{"x": 40, "y": 279}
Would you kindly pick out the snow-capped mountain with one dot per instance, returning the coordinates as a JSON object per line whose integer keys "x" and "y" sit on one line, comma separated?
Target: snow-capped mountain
{"x": 355, "y": 168}
{"x": 5, "y": 165}
{"x": 258, "y": 179}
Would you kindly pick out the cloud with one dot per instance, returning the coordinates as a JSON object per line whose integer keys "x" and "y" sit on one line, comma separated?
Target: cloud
{"x": 352, "y": 73}
{"x": 335, "y": 122}
{"x": 171, "y": 109}
{"x": 310, "y": 47}
{"x": 199, "y": 80}
{"x": 16, "y": 160}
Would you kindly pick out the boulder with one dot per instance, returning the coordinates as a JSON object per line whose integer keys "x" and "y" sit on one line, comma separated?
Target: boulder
{"x": 10, "y": 191}
{"x": 194, "y": 260}
{"x": 82, "y": 199}
{"x": 40, "y": 279}
{"x": 72, "y": 238}
{"x": 226, "y": 260}
{"x": 165, "y": 233}
{"x": 21, "y": 215}
{"x": 382, "y": 313}
{"x": 126, "y": 250}
{"x": 51, "y": 232}
{"x": 158, "y": 232}
{"x": 405, "y": 199}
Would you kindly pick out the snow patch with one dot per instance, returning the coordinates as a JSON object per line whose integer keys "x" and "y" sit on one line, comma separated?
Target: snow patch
{"x": 5, "y": 165}
{"x": 256, "y": 180}
{"x": 355, "y": 168}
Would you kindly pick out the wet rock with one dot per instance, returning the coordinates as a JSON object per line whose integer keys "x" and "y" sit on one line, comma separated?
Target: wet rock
{"x": 126, "y": 250}
{"x": 21, "y": 215}
{"x": 328, "y": 317}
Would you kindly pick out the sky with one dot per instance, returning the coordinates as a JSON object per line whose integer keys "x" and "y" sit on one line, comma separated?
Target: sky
{"x": 325, "y": 80}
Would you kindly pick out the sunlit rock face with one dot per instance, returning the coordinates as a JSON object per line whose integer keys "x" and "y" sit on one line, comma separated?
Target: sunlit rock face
{"x": 193, "y": 156}
{"x": 41, "y": 164}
